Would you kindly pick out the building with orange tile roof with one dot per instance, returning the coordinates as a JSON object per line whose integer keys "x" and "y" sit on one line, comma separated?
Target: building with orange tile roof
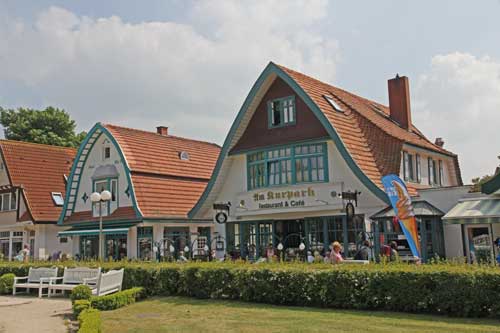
{"x": 155, "y": 178}
{"x": 32, "y": 186}
{"x": 300, "y": 150}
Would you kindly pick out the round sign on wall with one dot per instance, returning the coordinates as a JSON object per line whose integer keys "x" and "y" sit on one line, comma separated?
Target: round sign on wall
{"x": 221, "y": 217}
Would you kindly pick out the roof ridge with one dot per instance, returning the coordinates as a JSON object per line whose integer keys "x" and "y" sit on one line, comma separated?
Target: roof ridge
{"x": 2, "y": 141}
{"x": 159, "y": 135}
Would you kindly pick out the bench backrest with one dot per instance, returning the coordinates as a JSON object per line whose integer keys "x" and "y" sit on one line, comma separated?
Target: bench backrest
{"x": 35, "y": 274}
{"x": 110, "y": 281}
{"x": 76, "y": 275}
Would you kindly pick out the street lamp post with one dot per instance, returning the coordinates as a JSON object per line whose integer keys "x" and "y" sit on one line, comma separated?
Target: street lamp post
{"x": 100, "y": 198}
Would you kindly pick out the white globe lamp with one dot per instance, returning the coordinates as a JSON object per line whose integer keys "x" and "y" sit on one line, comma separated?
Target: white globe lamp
{"x": 95, "y": 197}
{"x": 105, "y": 195}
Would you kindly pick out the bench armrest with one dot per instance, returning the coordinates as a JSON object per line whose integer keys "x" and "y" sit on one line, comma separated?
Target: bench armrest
{"x": 54, "y": 279}
{"x": 20, "y": 278}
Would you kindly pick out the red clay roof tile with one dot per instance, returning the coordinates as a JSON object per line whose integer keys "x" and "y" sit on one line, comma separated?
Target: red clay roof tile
{"x": 374, "y": 141}
{"x": 40, "y": 170}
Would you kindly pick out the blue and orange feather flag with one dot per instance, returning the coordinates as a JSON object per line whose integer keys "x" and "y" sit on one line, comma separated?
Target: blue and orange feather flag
{"x": 401, "y": 203}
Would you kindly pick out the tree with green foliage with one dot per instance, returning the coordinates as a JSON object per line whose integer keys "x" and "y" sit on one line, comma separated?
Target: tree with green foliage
{"x": 478, "y": 181}
{"x": 51, "y": 126}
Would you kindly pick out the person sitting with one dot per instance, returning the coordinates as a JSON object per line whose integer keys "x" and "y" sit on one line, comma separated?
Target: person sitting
{"x": 335, "y": 255}
{"x": 182, "y": 258}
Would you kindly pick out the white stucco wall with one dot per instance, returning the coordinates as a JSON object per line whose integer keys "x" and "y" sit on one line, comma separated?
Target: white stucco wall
{"x": 424, "y": 165}
{"x": 95, "y": 160}
{"x": 47, "y": 242}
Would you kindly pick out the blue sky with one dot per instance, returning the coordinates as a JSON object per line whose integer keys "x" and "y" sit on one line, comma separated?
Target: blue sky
{"x": 189, "y": 65}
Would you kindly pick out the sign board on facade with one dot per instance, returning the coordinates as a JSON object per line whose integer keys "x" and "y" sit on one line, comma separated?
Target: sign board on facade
{"x": 272, "y": 200}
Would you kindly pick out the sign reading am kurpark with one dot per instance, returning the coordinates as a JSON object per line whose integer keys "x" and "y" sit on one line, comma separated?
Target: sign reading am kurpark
{"x": 290, "y": 197}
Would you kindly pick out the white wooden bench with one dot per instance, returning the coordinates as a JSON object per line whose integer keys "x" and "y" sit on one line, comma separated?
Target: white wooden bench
{"x": 353, "y": 261}
{"x": 38, "y": 278}
{"x": 106, "y": 283}
{"x": 71, "y": 278}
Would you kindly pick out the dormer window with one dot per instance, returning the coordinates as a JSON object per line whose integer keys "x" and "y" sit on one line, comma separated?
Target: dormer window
{"x": 281, "y": 112}
{"x": 57, "y": 198}
{"x": 333, "y": 103}
{"x": 184, "y": 156}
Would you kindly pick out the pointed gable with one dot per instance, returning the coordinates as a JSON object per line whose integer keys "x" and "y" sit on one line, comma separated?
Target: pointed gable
{"x": 258, "y": 133}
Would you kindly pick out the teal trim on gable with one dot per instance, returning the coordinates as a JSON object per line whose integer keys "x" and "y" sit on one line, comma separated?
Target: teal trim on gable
{"x": 84, "y": 162}
{"x": 274, "y": 69}
{"x": 104, "y": 130}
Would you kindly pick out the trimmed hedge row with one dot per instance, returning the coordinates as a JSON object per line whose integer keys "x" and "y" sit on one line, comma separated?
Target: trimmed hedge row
{"x": 90, "y": 321}
{"x": 455, "y": 290}
{"x": 117, "y": 300}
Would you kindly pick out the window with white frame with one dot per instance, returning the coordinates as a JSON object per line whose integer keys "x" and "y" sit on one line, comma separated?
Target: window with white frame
{"x": 106, "y": 152}
{"x": 111, "y": 185}
{"x": 432, "y": 171}
{"x": 441, "y": 174}
{"x": 408, "y": 170}
{"x": 333, "y": 103}
{"x": 418, "y": 168}
{"x": 57, "y": 198}
{"x": 281, "y": 111}
{"x": 8, "y": 201}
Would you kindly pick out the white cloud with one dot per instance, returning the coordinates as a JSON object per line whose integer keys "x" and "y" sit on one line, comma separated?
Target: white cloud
{"x": 458, "y": 99}
{"x": 191, "y": 76}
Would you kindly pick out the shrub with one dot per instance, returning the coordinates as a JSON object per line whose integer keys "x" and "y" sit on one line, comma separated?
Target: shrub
{"x": 80, "y": 305}
{"x": 449, "y": 288}
{"x": 6, "y": 283}
{"x": 117, "y": 300}
{"x": 81, "y": 292}
{"x": 90, "y": 321}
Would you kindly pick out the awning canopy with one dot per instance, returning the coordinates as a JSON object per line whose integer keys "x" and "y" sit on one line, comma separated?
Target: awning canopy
{"x": 474, "y": 211}
{"x": 89, "y": 232}
{"x": 420, "y": 208}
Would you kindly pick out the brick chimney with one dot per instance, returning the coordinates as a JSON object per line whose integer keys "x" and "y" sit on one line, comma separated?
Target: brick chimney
{"x": 439, "y": 142}
{"x": 162, "y": 130}
{"x": 399, "y": 101}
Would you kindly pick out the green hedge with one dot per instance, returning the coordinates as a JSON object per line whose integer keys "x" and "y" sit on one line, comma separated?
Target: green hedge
{"x": 6, "y": 283}
{"x": 451, "y": 289}
{"x": 79, "y": 306}
{"x": 117, "y": 300}
{"x": 90, "y": 321}
{"x": 81, "y": 292}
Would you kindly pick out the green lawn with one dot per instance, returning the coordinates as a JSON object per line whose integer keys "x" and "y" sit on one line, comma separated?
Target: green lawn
{"x": 177, "y": 314}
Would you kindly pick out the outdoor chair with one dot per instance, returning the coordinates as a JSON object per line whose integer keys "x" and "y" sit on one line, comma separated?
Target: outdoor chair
{"x": 38, "y": 278}
{"x": 106, "y": 283}
{"x": 71, "y": 278}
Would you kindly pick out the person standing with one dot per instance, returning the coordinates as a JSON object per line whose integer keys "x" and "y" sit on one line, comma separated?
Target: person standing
{"x": 25, "y": 253}
{"x": 364, "y": 252}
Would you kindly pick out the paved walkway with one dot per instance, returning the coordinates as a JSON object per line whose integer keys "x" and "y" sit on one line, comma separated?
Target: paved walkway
{"x": 31, "y": 314}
